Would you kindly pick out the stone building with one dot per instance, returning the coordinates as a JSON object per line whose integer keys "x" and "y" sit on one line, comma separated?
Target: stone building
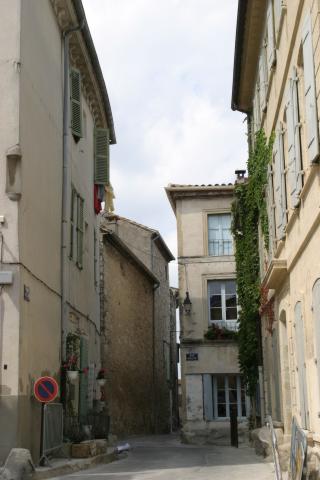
{"x": 276, "y": 83}
{"x": 210, "y": 376}
{"x": 54, "y": 114}
{"x": 149, "y": 248}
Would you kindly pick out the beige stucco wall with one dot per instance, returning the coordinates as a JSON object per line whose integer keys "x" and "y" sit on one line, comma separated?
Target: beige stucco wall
{"x": 196, "y": 268}
{"x": 128, "y": 350}
{"x": 300, "y": 247}
{"x": 31, "y": 112}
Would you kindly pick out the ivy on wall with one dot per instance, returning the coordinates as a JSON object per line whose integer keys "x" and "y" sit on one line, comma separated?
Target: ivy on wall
{"x": 248, "y": 211}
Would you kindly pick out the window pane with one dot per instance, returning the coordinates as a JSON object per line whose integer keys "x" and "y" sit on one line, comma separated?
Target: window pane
{"x": 232, "y": 380}
{"x": 243, "y": 408}
{"x": 231, "y": 300}
{"x": 220, "y": 382}
{"x": 215, "y": 314}
{"x": 233, "y": 396}
{"x": 231, "y": 314}
{"x": 215, "y": 301}
{"x": 222, "y": 412}
{"x": 230, "y": 286}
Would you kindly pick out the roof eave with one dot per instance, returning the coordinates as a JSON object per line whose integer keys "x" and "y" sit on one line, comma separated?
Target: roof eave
{"x": 77, "y": 4}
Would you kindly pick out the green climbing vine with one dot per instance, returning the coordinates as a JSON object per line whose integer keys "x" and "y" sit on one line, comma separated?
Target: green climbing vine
{"x": 249, "y": 210}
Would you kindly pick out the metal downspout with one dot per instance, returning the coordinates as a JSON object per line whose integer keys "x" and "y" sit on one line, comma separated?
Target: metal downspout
{"x": 155, "y": 287}
{"x": 65, "y": 187}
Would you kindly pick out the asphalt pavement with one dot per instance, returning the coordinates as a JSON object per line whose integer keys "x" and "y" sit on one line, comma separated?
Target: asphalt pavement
{"x": 165, "y": 458}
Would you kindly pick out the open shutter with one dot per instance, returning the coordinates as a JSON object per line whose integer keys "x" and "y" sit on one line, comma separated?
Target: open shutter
{"x": 283, "y": 177}
{"x": 263, "y": 76}
{"x": 271, "y": 51}
{"x": 83, "y": 390}
{"x": 294, "y": 147}
{"x": 279, "y": 184}
{"x": 75, "y": 99}
{"x": 101, "y": 169}
{"x": 270, "y": 208}
{"x": 310, "y": 92}
{"x": 207, "y": 397}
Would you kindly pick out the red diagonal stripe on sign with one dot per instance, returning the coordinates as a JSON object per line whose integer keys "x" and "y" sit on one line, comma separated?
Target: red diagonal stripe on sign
{"x": 42, "y": 385}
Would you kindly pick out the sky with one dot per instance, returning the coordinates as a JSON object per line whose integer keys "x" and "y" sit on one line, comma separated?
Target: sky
{"x": 168, "y": 68}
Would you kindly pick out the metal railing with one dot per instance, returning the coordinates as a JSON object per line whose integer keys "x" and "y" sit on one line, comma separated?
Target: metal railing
{"x": 275, "y": 451}
{"x": 86, "y": 427}
{"x": 52, "y": 429}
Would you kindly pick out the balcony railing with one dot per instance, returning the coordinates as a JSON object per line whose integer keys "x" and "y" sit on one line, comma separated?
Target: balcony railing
{"x": 229, "y": 324}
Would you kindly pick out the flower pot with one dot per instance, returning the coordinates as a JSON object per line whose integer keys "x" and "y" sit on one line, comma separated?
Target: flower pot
{"x": 72, "y": 374}
{"x": 101, "y": 381}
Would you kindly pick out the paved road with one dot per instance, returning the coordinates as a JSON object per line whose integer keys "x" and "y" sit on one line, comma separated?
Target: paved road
{"x": 165, "y": 458}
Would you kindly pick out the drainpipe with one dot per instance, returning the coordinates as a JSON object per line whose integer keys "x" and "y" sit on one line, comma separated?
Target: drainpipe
{"x": 155, "y": 287}
{"x": 65, "y": 188}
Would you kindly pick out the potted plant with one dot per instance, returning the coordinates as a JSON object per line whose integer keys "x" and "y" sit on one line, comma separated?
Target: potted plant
{"x": 101, "y": 379}
{"x": 71, "y": 367}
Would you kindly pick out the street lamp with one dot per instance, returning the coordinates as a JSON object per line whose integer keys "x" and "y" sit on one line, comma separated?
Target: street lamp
{"x": 187, "y": 304}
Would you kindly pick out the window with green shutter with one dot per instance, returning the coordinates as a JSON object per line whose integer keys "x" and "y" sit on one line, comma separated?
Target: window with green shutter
{"x": 76, "y": 228}
{"x": 80, "y": 208}
{"x": 101, "y": 164}
{"x": 75, "y": 103}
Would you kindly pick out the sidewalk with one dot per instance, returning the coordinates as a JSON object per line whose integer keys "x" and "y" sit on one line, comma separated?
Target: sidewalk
{"x": 66, "y": 466}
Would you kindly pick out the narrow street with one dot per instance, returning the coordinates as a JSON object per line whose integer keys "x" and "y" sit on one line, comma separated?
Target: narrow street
{"x": 165, "y": 458}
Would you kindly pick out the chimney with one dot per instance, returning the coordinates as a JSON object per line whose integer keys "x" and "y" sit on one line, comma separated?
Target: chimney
{"x": 240, "y": 176}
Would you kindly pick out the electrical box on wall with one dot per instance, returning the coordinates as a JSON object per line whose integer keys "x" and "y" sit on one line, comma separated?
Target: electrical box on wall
{"x": 6, "y": 278}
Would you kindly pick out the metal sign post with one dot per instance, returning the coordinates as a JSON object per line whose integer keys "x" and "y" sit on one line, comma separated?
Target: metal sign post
{"x": 45, "y": 390}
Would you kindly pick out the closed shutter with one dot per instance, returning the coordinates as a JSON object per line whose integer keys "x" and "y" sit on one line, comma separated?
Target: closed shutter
{"x": 271, "y": 51}
{"x": 75, "y": 99}
{"x": 80, "y": 231}
{"x": 301, "y": 364}
{"x": 207, "y": 397}
{"x": 294, "y": 147}
{"x": 101, "y": 169}
{"x": 83, "y": 390}
{"x": 310, "y": 92}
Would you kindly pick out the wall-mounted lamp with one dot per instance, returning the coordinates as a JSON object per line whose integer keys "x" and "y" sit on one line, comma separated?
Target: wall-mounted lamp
{"x": 187, "y": 305}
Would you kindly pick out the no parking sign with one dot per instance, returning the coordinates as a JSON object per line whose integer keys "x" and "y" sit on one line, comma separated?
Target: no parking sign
{"x": 45, "y": 389}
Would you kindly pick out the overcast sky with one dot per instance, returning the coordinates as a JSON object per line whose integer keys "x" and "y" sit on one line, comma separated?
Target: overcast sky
{"x": 168, "y": 69}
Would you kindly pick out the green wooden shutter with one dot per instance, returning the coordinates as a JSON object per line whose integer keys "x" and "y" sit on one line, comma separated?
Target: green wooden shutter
{"x": 83, "y": 389}
{"x": 80, "y": 208}
{"x": 75, "y": 100}
{"x": 271, "y": 50}
{"x": 310, "y": 92}
{"x": 101, "y": 167}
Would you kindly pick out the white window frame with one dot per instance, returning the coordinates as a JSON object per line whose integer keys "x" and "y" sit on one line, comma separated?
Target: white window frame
{"x": 220, "y": 241}
{"x": 214, "y": 388}
{"x": 223, "y": 322}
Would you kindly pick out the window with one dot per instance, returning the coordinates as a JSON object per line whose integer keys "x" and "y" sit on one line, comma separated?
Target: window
{"x": 219, "y": 234}
{"x": 222, "y": 300}
{"x": 75, "y": 101}
{"x": 221, "y": 394}
{"x": 76, "y": 228}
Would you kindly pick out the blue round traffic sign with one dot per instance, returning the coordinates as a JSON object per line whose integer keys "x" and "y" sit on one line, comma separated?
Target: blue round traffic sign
{"x": 46, "y": 389}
